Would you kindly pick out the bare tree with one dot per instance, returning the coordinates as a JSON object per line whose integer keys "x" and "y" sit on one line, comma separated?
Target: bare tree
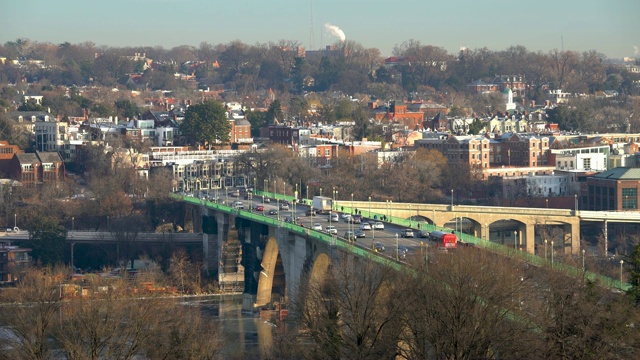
{"x": 349, "y": 313}
{"x": 464, "y": 305}
{"x": 30, "y": 326}
{"x": 581, "y": 320}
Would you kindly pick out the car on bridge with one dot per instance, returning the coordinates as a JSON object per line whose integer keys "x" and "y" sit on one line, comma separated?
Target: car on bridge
{"x": 273, "y": 212}
{"x": 284, "y": 206}
{"x": 331, "y": 230}
{"x": 350, "y": 236}
{"x": 378, "y": 247}
{"x": 407, "y": 233}
{"x": 333, "y": 217}
{"x": 238, "y": 205}
{"x": 317, "y": 227}
{"x": 359, "y": 233}
{"x": 378, "y": 225}
{"x": 259, "y": 208}
{"x": 365, "y": 226}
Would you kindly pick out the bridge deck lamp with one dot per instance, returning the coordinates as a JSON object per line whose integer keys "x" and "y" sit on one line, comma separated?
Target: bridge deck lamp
{"x": 452, "y": 199}
{"x": 397, "y": 248}
{"x": 621, "y": 263}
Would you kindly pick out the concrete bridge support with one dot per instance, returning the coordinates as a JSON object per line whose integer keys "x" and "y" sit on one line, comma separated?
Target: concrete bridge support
{"x": 215, "y": 229}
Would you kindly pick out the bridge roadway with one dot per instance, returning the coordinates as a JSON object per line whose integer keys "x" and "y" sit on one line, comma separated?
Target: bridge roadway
{"x": 89, "y": 237}
{"x": 269, "y": 240}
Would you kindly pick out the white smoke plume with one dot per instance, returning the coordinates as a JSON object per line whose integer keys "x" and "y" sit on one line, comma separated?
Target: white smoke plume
{"x": 636, "y": 50}
{"x": 463, "y": 48}
{"x": 336, "y": 31}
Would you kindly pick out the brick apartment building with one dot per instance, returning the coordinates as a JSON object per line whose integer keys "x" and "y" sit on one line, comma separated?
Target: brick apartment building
{"x": 613, "y": 190}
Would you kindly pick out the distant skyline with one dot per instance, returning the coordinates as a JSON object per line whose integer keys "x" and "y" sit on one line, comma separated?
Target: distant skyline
{"x": 611, "y": 27}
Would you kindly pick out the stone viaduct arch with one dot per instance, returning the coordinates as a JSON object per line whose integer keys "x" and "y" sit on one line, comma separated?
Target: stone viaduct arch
{"x": 527, "y": 219}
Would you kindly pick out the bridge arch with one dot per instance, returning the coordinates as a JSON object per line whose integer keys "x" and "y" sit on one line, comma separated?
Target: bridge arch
{"x": 270, "y": 259}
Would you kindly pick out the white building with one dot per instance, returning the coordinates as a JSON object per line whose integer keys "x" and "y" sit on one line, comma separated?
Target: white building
{"x": 50, "y": 135}
{"x": 581, "y": 161}
{"x": 535, "y": 186}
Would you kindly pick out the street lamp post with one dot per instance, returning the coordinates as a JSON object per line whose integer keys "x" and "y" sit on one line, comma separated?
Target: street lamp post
{"x": 320, "y": 191}
{"x": 545, "y": 250}
{"x": 451, "y": 199}
{"x": 621, "y": 263}
{"x": 552, "y": 253}
{"x": 576, "y": 199}
{"x": 583, "y": 252}
{"x": 15, "y": 220}
{"x": 547, "y": 201}
{"x": 397, "y": 248}
{"x": 295, "y": 202}
{"x": 486, "y": 232}
{"x": 352, "y": 203}
{"x": 373, "y": 226}
{"x": 73, "y": 223}
{"x": 515, "y": 244}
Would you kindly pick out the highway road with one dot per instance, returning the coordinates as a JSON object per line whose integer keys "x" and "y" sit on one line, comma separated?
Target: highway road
{"x": 387, "y": 237}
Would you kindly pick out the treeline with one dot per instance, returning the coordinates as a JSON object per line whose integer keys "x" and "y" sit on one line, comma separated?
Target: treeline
{"x": 110, "y": 319}
{"x": 462, "y": 305}
{"x": 349, "y": 68}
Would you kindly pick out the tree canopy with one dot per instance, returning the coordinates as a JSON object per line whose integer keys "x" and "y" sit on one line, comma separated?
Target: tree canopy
{"x": 207, "y": 123}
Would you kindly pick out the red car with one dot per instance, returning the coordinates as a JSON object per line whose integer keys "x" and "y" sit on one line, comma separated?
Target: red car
{"x": 259, "y": 208}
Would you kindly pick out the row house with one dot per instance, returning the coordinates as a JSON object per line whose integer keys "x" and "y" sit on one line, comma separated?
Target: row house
{"x": 507, "y": 125}
{"x": 34, "y": 168}
{"x": 196, "y": 170}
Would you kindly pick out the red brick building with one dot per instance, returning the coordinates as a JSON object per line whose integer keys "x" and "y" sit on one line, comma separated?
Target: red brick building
{"x": 616, "y": 189}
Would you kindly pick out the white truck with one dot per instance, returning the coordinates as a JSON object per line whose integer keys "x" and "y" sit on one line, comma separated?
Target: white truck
{"x": 322, "y": 204}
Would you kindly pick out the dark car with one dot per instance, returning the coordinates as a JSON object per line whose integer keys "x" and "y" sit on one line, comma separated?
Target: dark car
{"x": 359, "y": 233}
{"x": 423, "y": 234}
{"x": 273, "y": 212}
{"x": 350, "y": 236}
{"x": 379, "y": 247}
{"x": 310, "y": 212}
{"x": 407, "y": 233}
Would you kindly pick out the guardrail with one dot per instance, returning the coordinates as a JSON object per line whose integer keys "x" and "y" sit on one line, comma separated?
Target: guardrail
{"x": 297, "y": 229}
{"x": 367, "y": 253}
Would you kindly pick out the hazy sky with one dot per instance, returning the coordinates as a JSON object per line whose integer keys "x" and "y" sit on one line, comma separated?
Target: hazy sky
{"x": 608, "y": 26}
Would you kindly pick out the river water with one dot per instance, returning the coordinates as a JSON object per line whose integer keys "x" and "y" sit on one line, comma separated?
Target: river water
{"x": 245, "y": 334}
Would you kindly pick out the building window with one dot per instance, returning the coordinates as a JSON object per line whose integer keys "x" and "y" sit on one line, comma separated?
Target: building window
{"x": 629, "y": 198}
{"x": 586, "y": 164}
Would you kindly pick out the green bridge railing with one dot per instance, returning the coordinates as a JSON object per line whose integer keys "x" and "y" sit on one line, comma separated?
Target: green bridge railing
{"x": 297, "y": 229}
{"x": 367, "y": 253}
